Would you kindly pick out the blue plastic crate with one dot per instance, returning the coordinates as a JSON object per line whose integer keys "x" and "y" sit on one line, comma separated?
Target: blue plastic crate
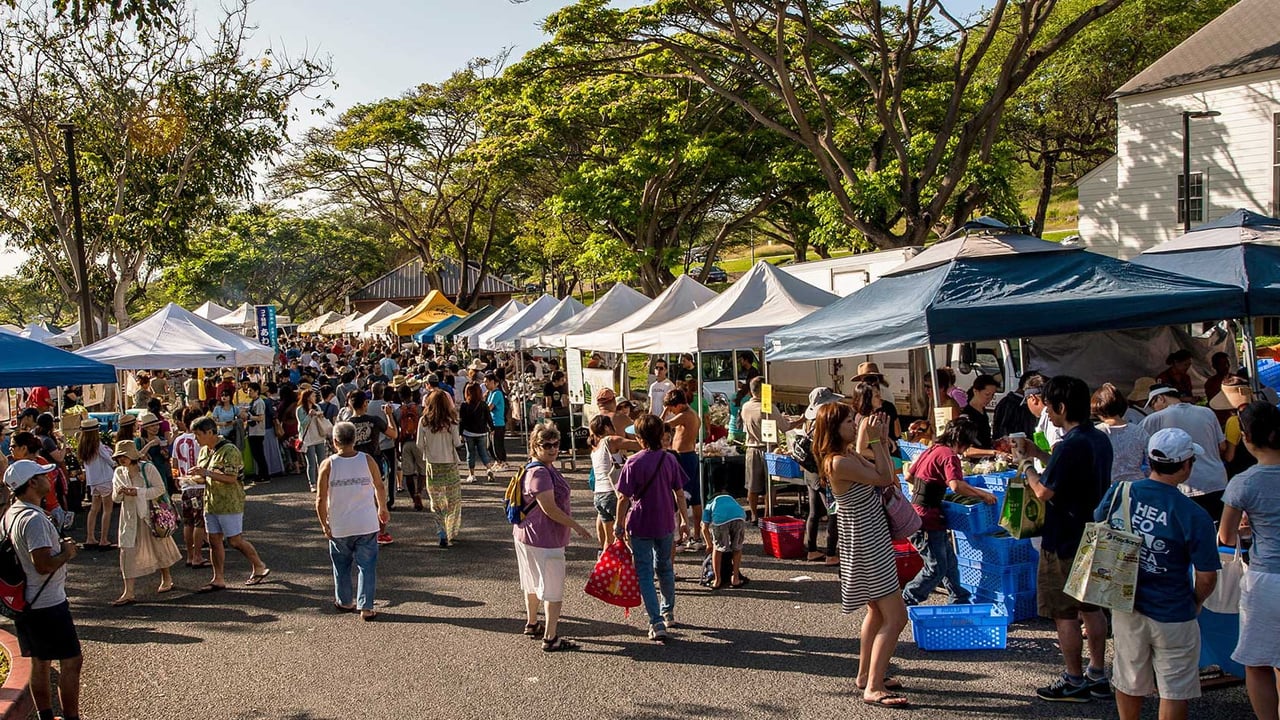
{"x": 958, "y": 627}
{"x": 995, "y": 549}
{"x": 783, "y": 466}
{"x": 980, "y": 519}
{"x": 995, "y": 482}
{"x": 1007, "y": 579}
{"x": 910, "y": 451}
{"x": 1018, "y": 606}
{"x": 906, "y": 487}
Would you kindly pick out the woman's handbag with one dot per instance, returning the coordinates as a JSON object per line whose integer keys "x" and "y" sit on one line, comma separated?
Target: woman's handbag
{"x": 903, "y": 519}
{"x": 1225, "y": 599}
{"x": 162, "y": 519}
{"x": 1105, "y": 571}
{"x": 321, "y": 427}
{"x": 614, "y": 578}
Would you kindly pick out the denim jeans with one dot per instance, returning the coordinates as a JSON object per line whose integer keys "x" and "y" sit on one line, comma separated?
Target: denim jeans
{"x": 315, "y": 455}
{"x": 647, "y": 551}
{"x": 363, "y": 551}
{"x": 476, "y": 450}
{"x": 940, "y": 566}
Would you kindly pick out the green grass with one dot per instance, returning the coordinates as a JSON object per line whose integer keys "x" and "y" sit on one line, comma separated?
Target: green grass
{"x": 1063, "y": 211}
{"x": 1059, "y": 235}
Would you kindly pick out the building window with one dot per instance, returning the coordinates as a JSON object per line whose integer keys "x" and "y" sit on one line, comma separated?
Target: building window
{"x": 1197, "y": 198}
{"x": 1267, "y": 326}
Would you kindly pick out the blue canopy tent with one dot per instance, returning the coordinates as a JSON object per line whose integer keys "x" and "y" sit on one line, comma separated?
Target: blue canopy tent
{"x": 26, "y": 363}
{"x": 469, "y": 321}
{"x": 996, "y": 284}
{"x": 428, "y": 334}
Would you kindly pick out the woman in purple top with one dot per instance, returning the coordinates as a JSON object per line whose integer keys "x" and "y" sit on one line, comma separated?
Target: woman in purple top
{"x": 651, "y": 486}
{"x": 542, "y": 537}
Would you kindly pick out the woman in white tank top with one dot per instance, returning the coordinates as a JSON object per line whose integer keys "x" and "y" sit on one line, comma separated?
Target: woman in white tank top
{"x": 606, "y": 463}
{"x": 351, "y": 504}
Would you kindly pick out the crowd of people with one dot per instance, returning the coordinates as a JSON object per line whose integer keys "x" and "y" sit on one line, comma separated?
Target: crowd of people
{"x": 367, "y": 422}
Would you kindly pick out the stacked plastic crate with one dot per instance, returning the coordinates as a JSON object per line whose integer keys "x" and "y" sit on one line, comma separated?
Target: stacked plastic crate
{"x": 997, "y": 568}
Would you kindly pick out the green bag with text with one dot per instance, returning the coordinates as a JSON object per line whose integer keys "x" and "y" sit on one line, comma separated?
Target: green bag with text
{"x": 1022, "y": 514}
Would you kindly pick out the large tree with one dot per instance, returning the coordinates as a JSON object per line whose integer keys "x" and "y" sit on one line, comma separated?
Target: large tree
{"x": 169, "y": 120}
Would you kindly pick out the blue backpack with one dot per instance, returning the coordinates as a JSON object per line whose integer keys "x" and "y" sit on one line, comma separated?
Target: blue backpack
{"x": 513, "y": 499}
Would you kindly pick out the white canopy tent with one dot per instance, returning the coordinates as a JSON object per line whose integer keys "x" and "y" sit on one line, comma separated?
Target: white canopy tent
{"x": 38, "y": 332}
{"x": 566, "y": 309}
{"x": 510, "y": 328}
{"x": 684, "y": 296}
{"x": 211, "y": 310}
{"x": 619, "y": 303}
{"x": 338, "y": 326}
{"x": 71, "y": 336}
{"x": 240, "y": 318}
{"x": 315, "y": 324}
{"x": 760, "y": 302}
{"x": 176, "y": 338}
{"x": 364, "y": 323}
{"x": 501, "y": 315}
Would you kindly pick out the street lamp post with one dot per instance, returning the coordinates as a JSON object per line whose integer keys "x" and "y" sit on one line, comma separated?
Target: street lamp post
{"x": 88, "y": 330}
{"x": 1187, "y": 117}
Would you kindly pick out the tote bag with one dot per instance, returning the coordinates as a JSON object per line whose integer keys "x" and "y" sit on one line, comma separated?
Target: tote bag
{"x": 1225, "y": 599}
{"x": 614, "y": 578}
{"x": 1022, "y": 514}
{"x": 163, "y": 519}
{"x": 903, "y": 519}
{"x": 1105, "y": 571}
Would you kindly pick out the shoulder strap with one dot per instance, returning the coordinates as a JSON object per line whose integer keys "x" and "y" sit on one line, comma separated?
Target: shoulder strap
{"x": 9, "y": 536}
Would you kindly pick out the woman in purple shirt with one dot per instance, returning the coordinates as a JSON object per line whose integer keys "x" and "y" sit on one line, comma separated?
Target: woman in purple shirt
{"x": 651, "y": 486}
{"x": 542, "y": 537}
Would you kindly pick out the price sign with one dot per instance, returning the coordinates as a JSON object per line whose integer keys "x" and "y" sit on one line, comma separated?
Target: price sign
{"x": 769, "y": 431}
{"x": 766, "y": 399}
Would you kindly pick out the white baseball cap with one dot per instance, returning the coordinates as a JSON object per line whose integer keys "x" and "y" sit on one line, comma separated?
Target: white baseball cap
{"x": 21, "y": 472}
{"x": 818, "y": 397}
{"x": 1172, "y": 445}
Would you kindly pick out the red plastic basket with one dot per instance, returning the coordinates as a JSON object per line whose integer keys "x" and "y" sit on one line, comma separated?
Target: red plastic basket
{"x": 782, "y": 536}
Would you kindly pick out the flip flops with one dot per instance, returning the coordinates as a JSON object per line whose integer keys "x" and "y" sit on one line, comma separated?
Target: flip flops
{"x": 893, "y": 701}
{"x": 257, "y": 578}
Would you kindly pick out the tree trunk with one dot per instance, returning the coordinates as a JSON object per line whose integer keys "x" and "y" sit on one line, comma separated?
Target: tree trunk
{"x": 1048, "y": 169}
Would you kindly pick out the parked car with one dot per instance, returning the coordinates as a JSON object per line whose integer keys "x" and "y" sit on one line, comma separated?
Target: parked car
{"x": 715, "y": 275}
{"x": 532, "y": 288}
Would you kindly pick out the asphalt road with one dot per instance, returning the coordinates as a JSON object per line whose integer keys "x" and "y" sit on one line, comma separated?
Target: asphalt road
{"x": 448, "y": 643}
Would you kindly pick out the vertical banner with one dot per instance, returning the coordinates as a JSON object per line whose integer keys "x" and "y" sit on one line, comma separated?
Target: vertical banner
{"x": 573, "y": 366}
{"x": 266, "y": 315}
{"x": 766, "y": 399}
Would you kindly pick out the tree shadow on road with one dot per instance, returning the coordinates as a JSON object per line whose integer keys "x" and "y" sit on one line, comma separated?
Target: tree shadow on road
{"x": 134, "y": 635}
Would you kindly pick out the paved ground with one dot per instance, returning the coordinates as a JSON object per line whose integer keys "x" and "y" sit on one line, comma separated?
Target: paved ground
{"x": 448, "y": 645}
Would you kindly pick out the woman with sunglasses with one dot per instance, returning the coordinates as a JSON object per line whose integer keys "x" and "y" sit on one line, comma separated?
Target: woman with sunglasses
{"x": 542, "y": 536}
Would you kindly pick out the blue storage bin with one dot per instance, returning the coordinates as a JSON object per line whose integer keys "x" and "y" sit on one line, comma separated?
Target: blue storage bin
{"x": 910, "y": 451}
{"x": 958, "y": 627}
{"x": 1269, "y": 373}
{"x": 995, "y": 482}
{"x": 980, "y": 519}
{"x": 783, "y": 466}
{"x": 1007, "y": 579}
{"x": 995, "y": 549}
{"x": 1018, "y": 606}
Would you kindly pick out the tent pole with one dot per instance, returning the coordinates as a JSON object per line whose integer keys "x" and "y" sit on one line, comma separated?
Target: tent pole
{"x": 1022, "y": 357}
{"x": 768, "y": 480}
{"x": 1250, "y": 353}
{"x": 935, "y": 400}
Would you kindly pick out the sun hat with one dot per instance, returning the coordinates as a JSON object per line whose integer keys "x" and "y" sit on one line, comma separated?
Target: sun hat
{"x": 818, "y": 397}
{"x": 605, "y": 393}
{"x": 147, "y": 418}
{"x": 1141, "y": 387}
{"x": 1235, "y": 392}
{"x": 20, "y": 472}
{"x": 126, "y": 448}
{"x": 1159, "y": 389}
{"x": 128, "y": 419}
{"x": 396, "y": 382}
{"x": 868, "y": 370}
{"x": 90, "y": 423}
{"x": 1172, "y": 445}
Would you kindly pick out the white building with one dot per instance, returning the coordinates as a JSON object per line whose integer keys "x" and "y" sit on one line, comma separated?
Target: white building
{"x": 1230, "y": 66}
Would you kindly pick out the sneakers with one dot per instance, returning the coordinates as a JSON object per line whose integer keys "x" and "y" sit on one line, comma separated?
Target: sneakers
{"x": 384, "y": 538}
{"x": 1063, "y": 690}
{"x": 444, "y": 540}
{"x": 1099, "y": 687}
{"x": 658, "y": 633}
{"x": 669, "y": 619}
{"x": 468, "y": 480}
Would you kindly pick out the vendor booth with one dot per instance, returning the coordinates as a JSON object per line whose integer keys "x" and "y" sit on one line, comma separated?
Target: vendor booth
{"x": 363, "y": 324}
{"x": 510, "y": 328}
{"x": 499, "y": 317}
{"x": 175, "y": 338}
{"x": 27, "y": 363}
{"x": 684, "y": 296}
{"x": 427, "y": 335}
{"x": 430, "y": 310}
{"x": 470, "y": 321}
{"x": 619, "y": 303}
{"x": 316, "y": 324}
{"x": 526, "y": 337}
{"x": 211, "y": 310}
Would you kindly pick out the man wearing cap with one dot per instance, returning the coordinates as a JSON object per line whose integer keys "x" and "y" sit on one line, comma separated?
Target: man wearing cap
{"x": 1157, "y": 646}
{"x": 1012, "y": 415}
{"x": 45, "y": 631}
{"x": 1208, "y": 478}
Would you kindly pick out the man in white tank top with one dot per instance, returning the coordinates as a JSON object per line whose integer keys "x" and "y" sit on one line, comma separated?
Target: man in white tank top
{"x": 351, "y": 504}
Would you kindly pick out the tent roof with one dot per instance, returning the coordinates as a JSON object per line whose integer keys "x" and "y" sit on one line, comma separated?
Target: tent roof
{"x": 1241, "y": 249}
{"x": 242, "y": 316}
{"x": 499, "y": 316}
{"x": 684, "y": 295}
{"x": 39, "y": 332}
{"x": 428, "y": 334}
{"x": 26, "y": 363}
{"x": 619, "y": 303}
{"x": 175, "y": 338}
{"x": 1001, "y": 296}
{"x": 567, "y": 309}
{"x": 338, "y": 326}
{"x": 472, "y": 320}
{"x": 430, "y": 310}
{"x": 315, "y": 324}
{"x": 761, "y": 301}
{"x": 510, "y": 328}
{"x": 987, "y": 241}
{"x": 363, "y": 323}
{"x": 211, "y": 310}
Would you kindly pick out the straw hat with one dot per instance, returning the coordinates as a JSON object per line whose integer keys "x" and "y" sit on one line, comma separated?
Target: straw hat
{"x": 476, "y": 364}
{"x": 1235, "y": 392}
{"x": 126, "y": 448}
{"x": 89, "y": 424}
{"x": 1141, "y": 387}
{"x": 128, "y": 419}
{"x": 147, "y": 418}
{"x": 397, "y": 382}
{"x": 868, "y": 370}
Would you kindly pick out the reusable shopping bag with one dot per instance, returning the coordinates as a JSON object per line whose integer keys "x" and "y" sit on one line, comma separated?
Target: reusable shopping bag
{"x": 614, "y": 578}
{"x": 903, "y": 519}
{"x": 162, "y": 519}
{"x": 1105, "y": 571}
{"x": 1022, "y": 514}
{"x": 1225, "y": 599}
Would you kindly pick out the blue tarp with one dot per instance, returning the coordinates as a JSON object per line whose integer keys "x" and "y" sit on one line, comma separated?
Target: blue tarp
{"x": 428, "y": 334}
{"x": 27, "y": 363}
{"x": 1241, "y": 249}
{"x": 1001, "y": 286}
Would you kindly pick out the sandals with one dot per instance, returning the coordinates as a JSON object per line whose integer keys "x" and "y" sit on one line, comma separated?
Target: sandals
{"x": 889, "y": 700}
{"x": 745, "y": 580}
{"x": 889, "y": 684}
{"x": 257, "y": 578}
{"x": 533, "y": 630}
{"x": 164, "y": 589}
{"x": 557, "y": 644}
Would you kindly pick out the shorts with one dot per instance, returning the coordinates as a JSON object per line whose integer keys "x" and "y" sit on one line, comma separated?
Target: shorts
{"x": 1259, "y": 643}
{"x": 102, "y": 491}
{"x": 228, "y": 525}
{"x": 1153, "y": 656}
{"x": 606, "y": 505}
{"x": 193, "y": 506}
{"x": 541, "y": 571}
{"x": 48, "y": 633}
{"x": 757, "y": 473}
{"x": 412, "y": 461}
{"x": 729, "y": 537}
{"x": 1051, "y": 577}
{"x": 689, "y": 463}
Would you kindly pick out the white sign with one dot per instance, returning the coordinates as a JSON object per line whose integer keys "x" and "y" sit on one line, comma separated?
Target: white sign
{"x": 769, "y": 431}
{"x": 573, "y": 366}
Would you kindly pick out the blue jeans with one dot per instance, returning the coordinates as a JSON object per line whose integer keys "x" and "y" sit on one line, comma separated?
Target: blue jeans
{"x": 647, "y": 551}
{"x": 940, "y": 566}
{"x": 476, "y": 449}
{"x": 363, "y": 551}
{"x": 315, "y": 455}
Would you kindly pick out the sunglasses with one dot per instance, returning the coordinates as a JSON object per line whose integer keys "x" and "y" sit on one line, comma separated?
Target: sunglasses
{"x": 550, "y": 446}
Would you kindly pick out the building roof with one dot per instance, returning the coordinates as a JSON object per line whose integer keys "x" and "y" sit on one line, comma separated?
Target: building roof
{"x": 1240, "y": 41}
{"x": 409, "y": 281}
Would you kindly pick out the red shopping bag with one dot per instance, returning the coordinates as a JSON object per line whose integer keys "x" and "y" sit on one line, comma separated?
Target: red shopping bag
{"x": 614, "y": 578}
{"x": 908, "y": 560}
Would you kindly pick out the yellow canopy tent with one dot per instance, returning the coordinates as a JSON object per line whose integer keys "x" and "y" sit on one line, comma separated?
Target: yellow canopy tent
{"x": 433, "y": 308}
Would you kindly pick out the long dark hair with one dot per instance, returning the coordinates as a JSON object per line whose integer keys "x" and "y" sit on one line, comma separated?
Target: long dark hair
{"x": 471, "y": 393}
{"x": 863, "y": 399}
{"x": 827, "y": 443}
{"x": 90, "y": 441}
{"x": 438, "y": 411}
{"x": 600, "y": 427}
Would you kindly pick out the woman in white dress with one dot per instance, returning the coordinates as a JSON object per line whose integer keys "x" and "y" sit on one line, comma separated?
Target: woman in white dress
{"x": 135, "y": 484}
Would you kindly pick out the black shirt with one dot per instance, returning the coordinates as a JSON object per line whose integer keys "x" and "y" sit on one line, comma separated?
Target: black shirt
{"x": 981, "y": 426}
{"x": 1013, "y": 416}
{"x": 1079, "y": 473}
{"x": 557, "y": 396}
{"x": 369, "y": 430}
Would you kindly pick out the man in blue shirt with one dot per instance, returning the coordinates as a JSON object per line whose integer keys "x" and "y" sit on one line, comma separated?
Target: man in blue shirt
{"x": 497, "y": 401}
{"x": 1157, "y": 646}
{"x": 1075, "y": 479}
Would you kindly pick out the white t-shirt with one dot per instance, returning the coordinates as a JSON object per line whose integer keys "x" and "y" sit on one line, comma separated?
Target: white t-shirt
{"x": 353, "y": 503}
{"x": 31, "y": 530}
{"x": 1208, "y": 474}
{"x": 606, "y": 465}
{"x": 185, "y": 452}
{"x": 657, "y": 393}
